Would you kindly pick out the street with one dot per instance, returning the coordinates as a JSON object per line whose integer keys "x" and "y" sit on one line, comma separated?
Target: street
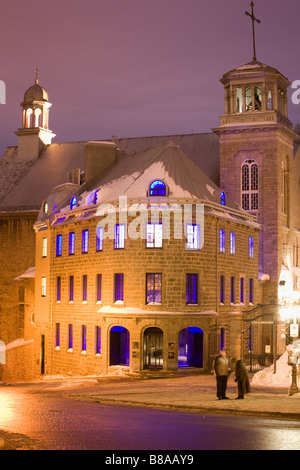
{"x": 39, "y": 416}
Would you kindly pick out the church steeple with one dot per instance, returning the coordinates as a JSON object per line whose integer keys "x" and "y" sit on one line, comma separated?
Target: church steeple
{"x": 35, "y": 132}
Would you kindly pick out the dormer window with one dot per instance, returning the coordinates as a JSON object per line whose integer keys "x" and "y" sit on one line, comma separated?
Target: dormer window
{"x": 73, "y": 202}
{"x": 157, "y": 188}
{"x": 95, "y": 197}
{"x": 223, "y": 199}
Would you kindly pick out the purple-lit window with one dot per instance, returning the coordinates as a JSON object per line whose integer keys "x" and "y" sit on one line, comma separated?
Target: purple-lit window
{"x": 83, "y": 338}
{"x": 71, "y": 243}
{"x": 119, "y": 287}
{"x": 153, "y": 286}
{"x": 73, "y": 203}
{"x": 84, "y": 288}
{"x": 85, "y": 241}
{"x": 192, "y": 237}
{"x": 223, "y": 199}
{"x": 70, "y": 336}
{"x": 222, "y": 241}
{"x": 251, "y": 291}
{"x": 57, "y": 335}
{"x": 157, "y": 188}
{"x": 191, "y": 288}
{"x": 99, "y": 238}
{"x": 71, "y": 288}
{"x": 99, "y": 287}
{"x": 232, "y": 289}
{"x": 119, "y": 236}
{"x": 251, "y": 247}
{"x": 58, "y": 289}
{"x": 98, "y": 340}
{"x": 232, "y": 243}
{"x": 242, "y": 290}
{"x": 58, "y": 245}
{"x": 154, "y": 236}
{"x": 222, "y": 289}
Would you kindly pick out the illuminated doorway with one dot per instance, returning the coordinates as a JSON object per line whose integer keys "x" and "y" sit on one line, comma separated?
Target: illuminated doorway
{"x": 190, "y": 347}
{"x": 119, "y": 346}
{"x": 153, "y": 348}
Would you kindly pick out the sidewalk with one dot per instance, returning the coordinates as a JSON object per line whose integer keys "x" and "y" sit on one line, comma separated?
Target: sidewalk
{"x": 192, "y": 393}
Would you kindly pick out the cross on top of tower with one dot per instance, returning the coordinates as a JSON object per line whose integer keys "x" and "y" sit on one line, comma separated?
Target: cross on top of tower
{"x": 253, "y": 29}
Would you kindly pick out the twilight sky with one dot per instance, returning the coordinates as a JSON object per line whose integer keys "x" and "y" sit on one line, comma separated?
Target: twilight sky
{"x": 136, "y": 67}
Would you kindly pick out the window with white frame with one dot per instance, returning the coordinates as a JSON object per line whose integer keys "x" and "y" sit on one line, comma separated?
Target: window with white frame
{"x": 249, "y": 185}
{"x": 232, "y": 243}
{"x": 222, "y": 241}
{"x": 99, "y": 238}
{"x": 43, "y": 285}
{"x": 154, "y": 236}
{"x": 119, "y": 236}
{"x": 192, "y": 237}
{"x": 44, "y": 247}
{"x": 251, "y": 247}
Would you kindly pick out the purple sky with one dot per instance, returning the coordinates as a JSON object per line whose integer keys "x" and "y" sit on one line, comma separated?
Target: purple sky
{"x": 136, "y": 67}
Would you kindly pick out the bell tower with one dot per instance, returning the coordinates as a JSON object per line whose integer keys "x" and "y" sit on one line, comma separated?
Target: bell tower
{"x": 35, "y": 132}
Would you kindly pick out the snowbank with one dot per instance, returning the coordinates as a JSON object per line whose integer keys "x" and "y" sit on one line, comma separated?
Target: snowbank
{"x": 282, "y": 378}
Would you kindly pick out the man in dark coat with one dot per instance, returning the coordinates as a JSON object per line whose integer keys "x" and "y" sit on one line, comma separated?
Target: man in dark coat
{"x": 242, "y": 379}
{"x": 221, "y": 370}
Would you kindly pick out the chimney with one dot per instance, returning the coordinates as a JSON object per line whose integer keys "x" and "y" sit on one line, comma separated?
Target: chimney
{"x": 99, "y": 158}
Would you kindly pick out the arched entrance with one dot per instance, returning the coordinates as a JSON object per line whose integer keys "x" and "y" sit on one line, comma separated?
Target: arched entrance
{"x": 153, "y": 348}
{"x": 190, "y": 347}
{"x": 119, "y": 346}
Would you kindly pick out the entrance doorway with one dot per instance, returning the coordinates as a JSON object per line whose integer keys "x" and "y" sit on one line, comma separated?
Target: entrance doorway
{"x": 119, "y": 346}
{"x": 153, "y": 348}
{"x": 190, "y": 347}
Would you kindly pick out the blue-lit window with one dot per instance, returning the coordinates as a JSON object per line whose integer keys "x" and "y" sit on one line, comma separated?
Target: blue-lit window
{"x": 71, "y": 288}
{"x": 70, "y": 337}
{"x": 84, "y": 288}
{"x": 191, "y": 288}
{"x": 192, "y": 237}
{"x": 99, "y": 288}
{"x": 98, "y": 340}
{"x": 71, "y": 243}
{"x": 232, "y": 289}
{"x": 222, "y": 241}
{"x": 57, "y": 335}
{"x": 242, "y": 290}
{"x": 251, "y": 247}
{"x": 223, "y": 199}
{"x": 99, "y": 238}
{"x": 154, "y": 236}
{"x": 119, "y": 236}
{"x": 58, "y": 245}
{"x": 119, "y": 287}
{"x": 153, "y": 286}
{"x": 251, "y": 291}
{"x": 95, "y": 197}
{"x": 232, "y": 243}
{"x": 157, "y": 188}
{"x": 222, "y": 289}
{"x": 83, "y": 338}
{"x": 73, "y": 202}
{"x": 85, "y": 241}
{"x": 58, "y": 289}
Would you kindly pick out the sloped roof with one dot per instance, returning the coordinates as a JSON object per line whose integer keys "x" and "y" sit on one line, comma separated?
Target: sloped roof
{"x": 25, "y": 185}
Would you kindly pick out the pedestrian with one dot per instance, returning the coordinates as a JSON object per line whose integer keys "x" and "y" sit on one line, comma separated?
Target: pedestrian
{"x": 242, "y": 379}
{"x": 221, "y": 370}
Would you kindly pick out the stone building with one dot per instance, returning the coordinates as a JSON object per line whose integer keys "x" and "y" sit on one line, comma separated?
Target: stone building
{"x": 245, "y": 171}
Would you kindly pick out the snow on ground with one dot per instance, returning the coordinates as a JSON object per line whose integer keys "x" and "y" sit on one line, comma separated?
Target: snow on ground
{"x": 282, "y": 378}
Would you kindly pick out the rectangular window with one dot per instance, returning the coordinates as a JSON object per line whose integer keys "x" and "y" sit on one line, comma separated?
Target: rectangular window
{"x": 70, "y": 337}
{"x": 153, "y": 286}
{"x": 43, "y": 285}
{"x": 71, "y": 243}
{"x": 84, "y": 288}
{"x": 97, "y": 340}
{"x": 85, "y": 241}
{"x": 98, "y": 287}
{"x": 99, "y": 238}
{"x": 154, "y": 236}
{"x": 119, "y": 236}
{"x": 58, "y": 289}
{"x": 222, "y": 241}
{"x": 251, "y": 291}
{"x": 44, "y": 248}
{"x": 192, "y": 237}
{"x": 251, "y": 247}
{"x": 119, "y": 287}
{"x": 71, "y": 288}
{"x": 192, "y": 288}
{"x": 232, "y": 243}
{"x": 242, "y": 290}
{"x": 222, "y": 289}
{"x": 232, "y": 289}
{"x": 83, "y": 338}
{"x": 58, "y": 245}
{"x": 57, "y": 335}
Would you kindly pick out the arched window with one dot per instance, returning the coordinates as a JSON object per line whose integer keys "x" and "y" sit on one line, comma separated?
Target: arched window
{"x": 37, "y": 116}
{"x": 223, "y": 199}
{"x": 248, "y": 98}
{"x": 257, "y": 97}
{"x": 157, "y": 188}
{"x": 73, "y": 202}
{"x": 250, "y": 185}
{"x": 29, "y": 117}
